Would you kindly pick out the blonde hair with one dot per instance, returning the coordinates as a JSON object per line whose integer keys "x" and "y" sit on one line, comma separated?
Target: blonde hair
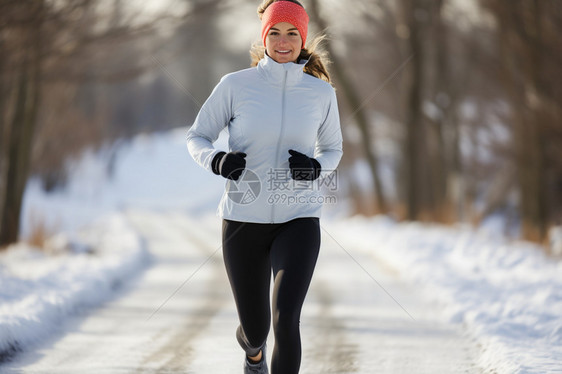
{"x": 317, "y": 60}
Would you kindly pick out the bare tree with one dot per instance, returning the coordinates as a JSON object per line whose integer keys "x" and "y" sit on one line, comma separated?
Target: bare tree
{"x": 26, "y": 98}
{"x": 528, "y": 40}
{"x": 423, "y": 148}
{"x": 350, "y": 93}
{"x": 43, "y": 43}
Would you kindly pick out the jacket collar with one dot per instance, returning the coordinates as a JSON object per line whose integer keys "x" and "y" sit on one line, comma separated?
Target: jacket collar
{"x": 274, "y": 72}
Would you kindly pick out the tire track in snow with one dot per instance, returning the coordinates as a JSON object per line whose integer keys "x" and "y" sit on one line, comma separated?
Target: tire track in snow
{"x": 368, "y": 311}
{"x": 177, "y": 353}
{"x": 331, "y": 351}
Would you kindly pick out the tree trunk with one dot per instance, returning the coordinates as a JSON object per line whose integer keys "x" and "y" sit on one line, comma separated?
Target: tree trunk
{"x": 3, "y": 128}
{"x": 442, "y": 153}
{"x": 523, "y": 84}
{"x": 413, "y": 150}
{"x": 350, "y": 94}
{"x": 536, "y": 220}
{"x": 21, "y": 132}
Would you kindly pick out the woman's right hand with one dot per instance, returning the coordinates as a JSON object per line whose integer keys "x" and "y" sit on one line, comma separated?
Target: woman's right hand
{"x": 230, "y": 165}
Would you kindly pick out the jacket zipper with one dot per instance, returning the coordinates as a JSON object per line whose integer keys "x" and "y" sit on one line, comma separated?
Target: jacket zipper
{"x": 281, "y": 131}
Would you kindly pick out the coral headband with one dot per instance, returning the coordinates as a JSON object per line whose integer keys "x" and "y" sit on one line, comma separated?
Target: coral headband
{"x": 285, "y": 11}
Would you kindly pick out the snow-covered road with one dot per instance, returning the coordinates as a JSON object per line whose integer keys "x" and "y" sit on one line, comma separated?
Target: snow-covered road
{"x": 179, "y": 317}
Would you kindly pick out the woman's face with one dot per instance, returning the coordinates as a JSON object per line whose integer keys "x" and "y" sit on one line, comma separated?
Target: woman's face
{"x": 283, "y": 43}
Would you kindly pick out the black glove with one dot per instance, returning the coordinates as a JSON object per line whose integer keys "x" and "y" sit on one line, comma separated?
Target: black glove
{"x": 303, "y": 168}
{"x": 229, "y": 165}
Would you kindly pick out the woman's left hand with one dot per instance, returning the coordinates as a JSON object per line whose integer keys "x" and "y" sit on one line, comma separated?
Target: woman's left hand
{"x": 303, "y": 167}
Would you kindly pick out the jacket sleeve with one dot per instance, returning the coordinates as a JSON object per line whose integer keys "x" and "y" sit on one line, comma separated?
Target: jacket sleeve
{"x": 214, "y": 116}
{"x": 328, "y": 150}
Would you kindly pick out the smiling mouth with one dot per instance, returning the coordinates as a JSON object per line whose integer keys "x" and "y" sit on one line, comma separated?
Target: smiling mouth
{"x": 283, "y": 52}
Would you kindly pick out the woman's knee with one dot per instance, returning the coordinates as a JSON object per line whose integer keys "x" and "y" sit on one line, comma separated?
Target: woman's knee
{"x": 256, "y": 330}
{"x": 286, "y": 322}
{"x": 251, "y": 342}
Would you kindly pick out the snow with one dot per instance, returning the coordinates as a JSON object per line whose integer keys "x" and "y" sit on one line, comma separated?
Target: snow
{"x": 154, "y": 172}
{"x": 507, "y": 295}
{"x": 39, "y": 288}
{"x": 96, "y": 249}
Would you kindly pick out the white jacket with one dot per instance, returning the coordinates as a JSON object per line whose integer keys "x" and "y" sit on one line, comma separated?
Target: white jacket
{"x": 268, "y": 110}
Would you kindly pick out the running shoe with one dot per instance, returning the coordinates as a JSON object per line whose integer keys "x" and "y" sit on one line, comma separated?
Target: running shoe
{"x": 256, "y": 368}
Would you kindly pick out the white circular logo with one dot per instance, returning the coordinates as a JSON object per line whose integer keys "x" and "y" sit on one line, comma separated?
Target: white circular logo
{"x": 246, "y": 189}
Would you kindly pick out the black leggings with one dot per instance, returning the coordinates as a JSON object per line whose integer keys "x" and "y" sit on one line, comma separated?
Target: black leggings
{"x": 251, "y": 251}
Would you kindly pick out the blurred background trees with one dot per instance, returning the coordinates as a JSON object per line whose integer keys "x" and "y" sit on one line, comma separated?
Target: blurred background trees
{"x": 450, "y": 109}
{"x": 466, "y": 120}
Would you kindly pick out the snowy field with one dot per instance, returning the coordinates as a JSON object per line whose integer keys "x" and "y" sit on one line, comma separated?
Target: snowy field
{"x": 506, "y": 295}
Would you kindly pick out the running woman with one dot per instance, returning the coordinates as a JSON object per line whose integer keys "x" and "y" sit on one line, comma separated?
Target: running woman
{"x": 284, "y": 139}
